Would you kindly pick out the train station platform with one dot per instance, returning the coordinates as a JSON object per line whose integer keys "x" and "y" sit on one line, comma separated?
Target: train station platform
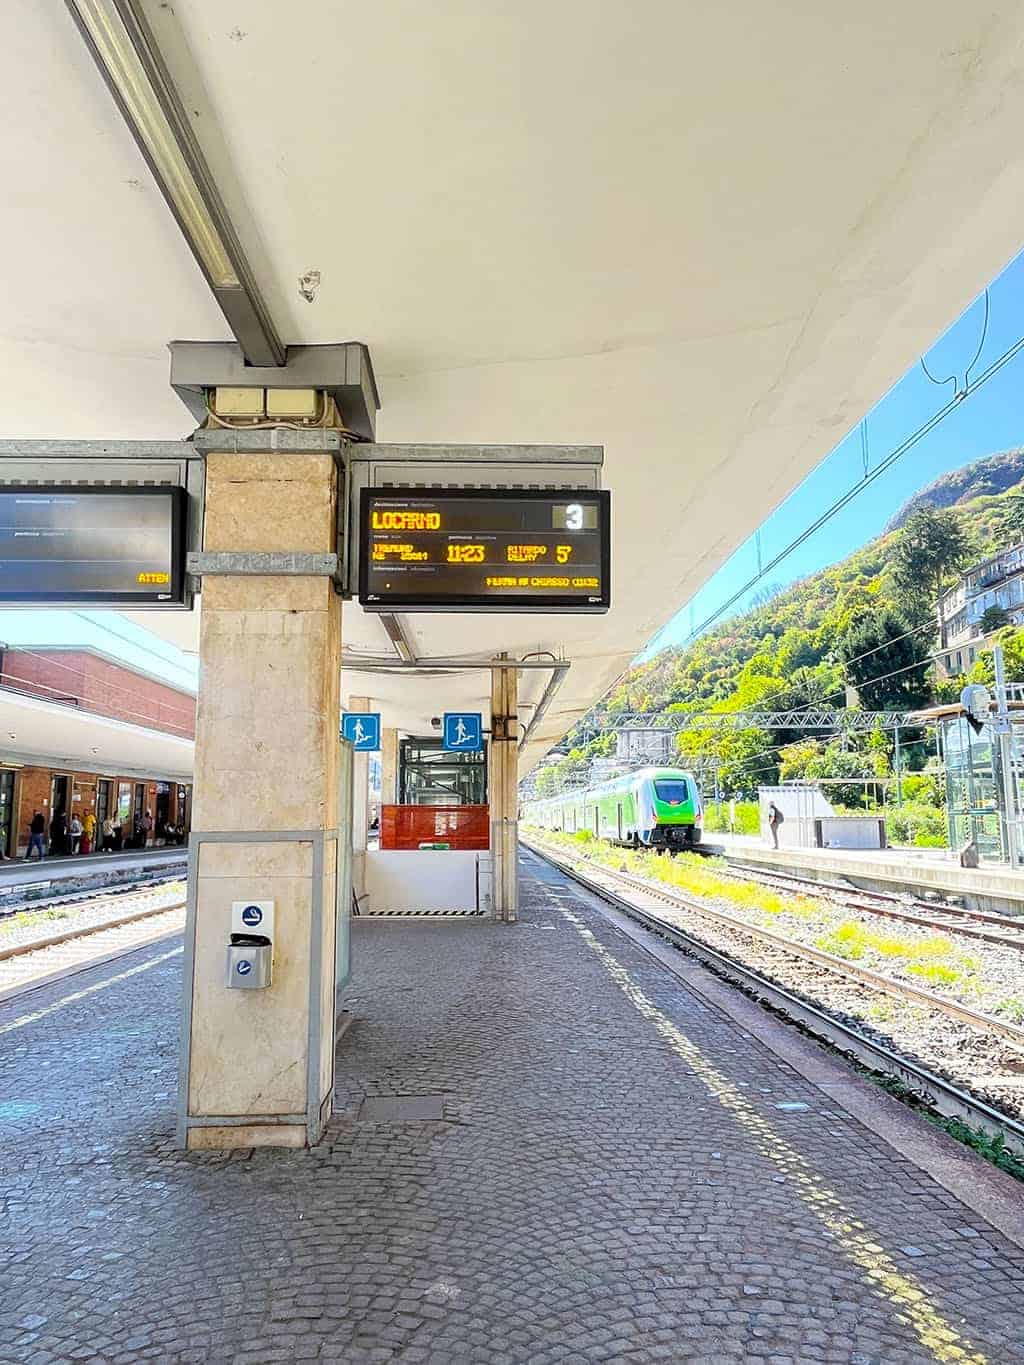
{"x": 991, "y": 887}
{"x": 547, "y": 1146}
{"x": 24, "y": 880}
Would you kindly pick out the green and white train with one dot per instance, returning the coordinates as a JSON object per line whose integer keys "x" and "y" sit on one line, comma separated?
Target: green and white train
{"x": 649, "y": 808}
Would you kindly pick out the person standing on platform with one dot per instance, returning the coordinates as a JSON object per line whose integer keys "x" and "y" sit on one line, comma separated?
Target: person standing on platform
{"x": 75, "y": 833}
{"x": 88, "y": 832}
{"x": 58, "y": 834}
{"x": 36, "y": 836}
{"x": 775, "y": 819}
{"x": 108, "y": 834}
{"x": 146, "y": 833}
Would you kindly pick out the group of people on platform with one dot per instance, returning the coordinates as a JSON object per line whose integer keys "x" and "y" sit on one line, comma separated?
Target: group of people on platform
{"x": 80, "y": 834}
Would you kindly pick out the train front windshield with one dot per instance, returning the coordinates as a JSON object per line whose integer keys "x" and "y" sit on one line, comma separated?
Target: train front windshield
{"x": 673, "y": 792}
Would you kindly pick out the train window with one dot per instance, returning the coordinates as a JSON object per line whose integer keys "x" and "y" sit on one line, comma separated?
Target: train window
{"x": 671, "y": 790}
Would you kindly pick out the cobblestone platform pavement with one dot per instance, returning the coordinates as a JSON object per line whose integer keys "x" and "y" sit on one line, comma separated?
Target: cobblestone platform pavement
{"x": 546, "y": 1148}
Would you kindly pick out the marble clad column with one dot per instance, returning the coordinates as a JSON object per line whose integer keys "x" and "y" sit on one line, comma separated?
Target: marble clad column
{"x": 503, "y": 793}
{"x": 258, "y": 1066}
{"x": 360, "y": 811}
{"x": 389, "y": 767}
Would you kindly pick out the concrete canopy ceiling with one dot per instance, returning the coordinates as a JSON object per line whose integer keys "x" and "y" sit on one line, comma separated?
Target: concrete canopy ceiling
{"x": 706, "y": 237}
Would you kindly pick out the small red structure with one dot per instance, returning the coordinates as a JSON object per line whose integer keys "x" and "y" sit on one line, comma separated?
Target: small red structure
{"x": 409, "y": 827}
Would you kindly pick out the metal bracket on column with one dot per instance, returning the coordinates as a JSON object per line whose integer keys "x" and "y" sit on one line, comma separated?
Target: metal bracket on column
{"x": 263, "y": 563}
{"x": 286, "y": 441}
{"x": 503, "y": 729}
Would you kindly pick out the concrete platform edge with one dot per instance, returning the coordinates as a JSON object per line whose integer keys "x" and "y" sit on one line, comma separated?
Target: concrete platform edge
{"x": 23, "y": 988}
{"x": 996, "y": 1196}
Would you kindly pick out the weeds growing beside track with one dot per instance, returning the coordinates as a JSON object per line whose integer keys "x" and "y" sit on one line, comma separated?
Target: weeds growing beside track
{"x": 980, "y": 1061}
{"x": 935, "y": 959}
{"x": 695, "y": 875}
{"x": 23, "y": 917}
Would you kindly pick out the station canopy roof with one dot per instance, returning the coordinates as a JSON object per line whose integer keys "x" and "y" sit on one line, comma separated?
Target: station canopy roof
{"x": 706, "y": 237}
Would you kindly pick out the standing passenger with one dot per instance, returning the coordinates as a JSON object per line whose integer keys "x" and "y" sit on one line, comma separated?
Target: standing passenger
{"x": 75, "y": 832}
{"x": 108, "y": 834}
{"x": 775, "y": 819}
{"x": 36, "y": 830}
{"x": 88, "y": 832}
{"x": 58, "y": 834}
{"x": 146, "y": 832}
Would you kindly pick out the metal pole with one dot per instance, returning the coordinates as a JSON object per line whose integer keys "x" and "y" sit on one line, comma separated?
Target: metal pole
{"x": 899, "y": 772}
{"x": 1002, "y": 727}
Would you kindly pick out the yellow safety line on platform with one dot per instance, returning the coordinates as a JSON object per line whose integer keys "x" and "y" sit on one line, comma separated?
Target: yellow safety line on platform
{"x": 906, "y": 1293}
{"x": 88, "y": 990}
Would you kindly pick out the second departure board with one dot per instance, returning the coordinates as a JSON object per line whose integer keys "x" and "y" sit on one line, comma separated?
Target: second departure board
{"x": 92, "y": 546}
{"x": 484, "y": 550}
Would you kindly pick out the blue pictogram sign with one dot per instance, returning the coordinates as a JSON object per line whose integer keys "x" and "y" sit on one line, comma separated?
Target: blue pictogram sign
{"x": 252, "y": 915}
{"x": 244, "y": 968}
{"x": 463, "y": 730}
{"x": 362, "y": 730}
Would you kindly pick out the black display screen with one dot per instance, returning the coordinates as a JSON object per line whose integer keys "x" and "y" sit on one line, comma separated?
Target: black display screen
{"x": 484, "y": 550}
{"x": 92, "y": 546}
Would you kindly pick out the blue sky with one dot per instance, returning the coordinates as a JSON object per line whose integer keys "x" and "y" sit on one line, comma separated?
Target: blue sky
{"x": 987, "y": 421}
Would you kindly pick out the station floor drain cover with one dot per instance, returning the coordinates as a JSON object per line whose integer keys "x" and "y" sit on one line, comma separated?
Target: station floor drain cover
{"x": 401, "y": 1108}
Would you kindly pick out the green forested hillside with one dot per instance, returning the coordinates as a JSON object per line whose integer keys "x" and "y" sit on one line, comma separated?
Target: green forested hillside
{"x": 868, "y": 622}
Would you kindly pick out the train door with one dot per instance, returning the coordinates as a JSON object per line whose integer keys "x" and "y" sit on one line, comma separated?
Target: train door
{"x": 59, "y": 792}
{"x": 60, "y": 802}
{"x": 6, "y": 811}
{"x": 104, "y": 795}
{"x": 162, "y": 813}
{"x": 123, "y": 818}
{"x": 183, "y": 815}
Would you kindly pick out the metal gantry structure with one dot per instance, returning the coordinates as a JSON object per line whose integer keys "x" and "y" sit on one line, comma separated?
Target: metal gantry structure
{"x": 657, "y": 725}
{"x": 853, "y": 721}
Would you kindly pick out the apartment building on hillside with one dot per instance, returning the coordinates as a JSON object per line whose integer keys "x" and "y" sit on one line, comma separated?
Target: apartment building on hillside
{"x": 995, "y": 582}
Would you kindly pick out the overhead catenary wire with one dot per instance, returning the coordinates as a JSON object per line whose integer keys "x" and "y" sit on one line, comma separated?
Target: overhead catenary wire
{"x": 52, "y": 662}
{"x": 30, "y": 687}
{"x": 143, "y": 647}
{"x": 969, "y": 388}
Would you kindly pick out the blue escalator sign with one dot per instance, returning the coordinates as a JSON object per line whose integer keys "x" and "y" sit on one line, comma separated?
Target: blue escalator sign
{"x": 362, "y": 730}
{"x": 463, "y": 730}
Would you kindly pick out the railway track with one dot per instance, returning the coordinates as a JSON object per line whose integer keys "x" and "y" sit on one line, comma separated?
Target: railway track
{"x": 32, "y": 960}
{"x": 1006, "y": 930}
{"x": 937, "y": 1091}
{"x": 21, "y": 900}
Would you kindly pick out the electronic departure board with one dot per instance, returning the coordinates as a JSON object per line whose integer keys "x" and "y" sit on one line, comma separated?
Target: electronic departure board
{"x": 92, "y": 546}
{"x": 484, "y": 550}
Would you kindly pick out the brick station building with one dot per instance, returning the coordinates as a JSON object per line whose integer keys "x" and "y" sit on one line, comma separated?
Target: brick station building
{"x": 90, "y": 681}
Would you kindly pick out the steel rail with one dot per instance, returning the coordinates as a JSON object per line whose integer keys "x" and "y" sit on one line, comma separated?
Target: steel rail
{"x": 931, "y": 1089}
{"x": 29, "y": 905}
{"x": 37, "y": 945}
{"x": 887, "y": 985}
{"x": 856, "y": 899}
